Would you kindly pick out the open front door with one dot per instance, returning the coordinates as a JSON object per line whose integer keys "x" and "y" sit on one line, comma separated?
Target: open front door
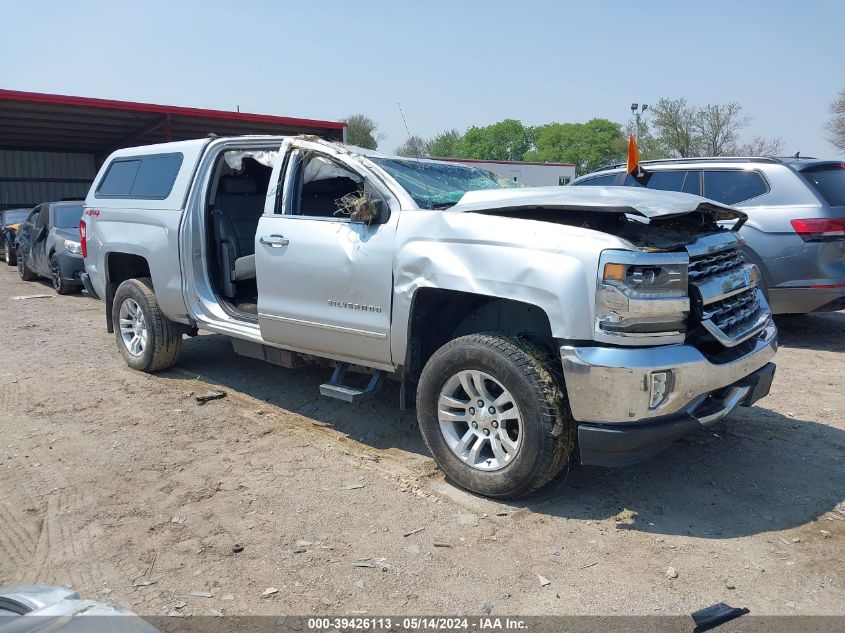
{"x": 325, "y": 281}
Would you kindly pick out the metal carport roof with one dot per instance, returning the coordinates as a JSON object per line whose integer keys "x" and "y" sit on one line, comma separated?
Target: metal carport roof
{"x": 62, "y": 123}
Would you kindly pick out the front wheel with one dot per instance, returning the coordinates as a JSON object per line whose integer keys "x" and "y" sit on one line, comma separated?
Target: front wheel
{"x": 61, "y": 286}
{"x": 493, "y": 413}
{"x": 147, "y": 339}
{"x": 9, "y": 253}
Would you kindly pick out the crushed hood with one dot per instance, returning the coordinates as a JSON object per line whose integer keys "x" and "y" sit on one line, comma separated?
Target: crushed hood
{"x": 648, "y": 203}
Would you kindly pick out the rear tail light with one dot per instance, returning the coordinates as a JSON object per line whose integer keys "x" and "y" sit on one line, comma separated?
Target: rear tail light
{"x": 820, "y": 229}
{"x": 82, "y": 242}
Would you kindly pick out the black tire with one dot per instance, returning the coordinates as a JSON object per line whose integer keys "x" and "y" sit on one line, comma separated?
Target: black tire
{"x": 61, "y": 286}
{"x": 23, "y": 270}
{"x": 164, "y": 340}
{"x": 9, "y": 253}
{"x": 548, "y": 433}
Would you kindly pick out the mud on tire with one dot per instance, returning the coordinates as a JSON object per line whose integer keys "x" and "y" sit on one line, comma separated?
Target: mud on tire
{"x": 163, "y": 338}
{"x": 548, "y": 431}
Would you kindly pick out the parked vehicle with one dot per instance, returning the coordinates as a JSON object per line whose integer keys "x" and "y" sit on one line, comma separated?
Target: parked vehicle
{"x": 47, "y": 245}
{"x": 9, "y": 221}
{"x": 41, "y": 608}
{"x": 518, "y": 320}
{"x": 795, "y": 232}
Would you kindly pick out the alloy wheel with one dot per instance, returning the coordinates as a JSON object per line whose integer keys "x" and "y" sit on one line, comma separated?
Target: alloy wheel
{"x": 133, "y": 327}
{"x": 479, "y": 420}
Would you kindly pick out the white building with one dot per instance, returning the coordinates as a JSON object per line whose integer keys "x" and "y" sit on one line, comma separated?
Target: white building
{"x": 528, "y": 174}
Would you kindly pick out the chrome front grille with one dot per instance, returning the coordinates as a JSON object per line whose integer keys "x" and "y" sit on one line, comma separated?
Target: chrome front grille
{"x": 723, "y": 289}
{"x": 732, "y": 315}
{"x": 704, "y": 266}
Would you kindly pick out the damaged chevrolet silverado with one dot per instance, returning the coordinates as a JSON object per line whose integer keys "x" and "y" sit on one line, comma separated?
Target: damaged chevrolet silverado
{"x": 530, "y": 327}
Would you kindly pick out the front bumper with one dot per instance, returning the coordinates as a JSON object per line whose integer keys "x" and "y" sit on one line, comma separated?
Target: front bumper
{"x": 609, "y": 392}
{"x": 71, "y": 266}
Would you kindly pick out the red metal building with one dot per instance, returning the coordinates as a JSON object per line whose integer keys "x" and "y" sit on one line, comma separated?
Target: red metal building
{"x": 51, "y": 145}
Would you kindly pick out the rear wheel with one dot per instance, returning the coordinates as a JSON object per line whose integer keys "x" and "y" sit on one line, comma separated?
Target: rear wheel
{"x": 493, "y": 413}
{"x": 23, "y": 270}
{"x": 9, "y": 253}
{"x": 61, "y": 286}
{"x": 147, "y": 339}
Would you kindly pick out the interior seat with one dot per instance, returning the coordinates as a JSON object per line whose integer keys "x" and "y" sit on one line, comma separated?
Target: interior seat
{"x": 319, "y": 197}
{"x": 235, "y": 215}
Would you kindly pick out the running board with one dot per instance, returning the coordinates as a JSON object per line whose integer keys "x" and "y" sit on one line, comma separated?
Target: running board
{"x": 336, "y": 389}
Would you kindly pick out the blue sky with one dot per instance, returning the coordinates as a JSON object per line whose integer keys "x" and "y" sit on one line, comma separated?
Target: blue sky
{"x": 450, "y": 63}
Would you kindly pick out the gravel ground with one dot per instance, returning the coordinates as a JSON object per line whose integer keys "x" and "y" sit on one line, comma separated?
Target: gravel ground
{"x": 119, "y": 484}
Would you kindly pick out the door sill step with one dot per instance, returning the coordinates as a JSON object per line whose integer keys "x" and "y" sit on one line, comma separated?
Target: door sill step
{"x": 336, "y": 389}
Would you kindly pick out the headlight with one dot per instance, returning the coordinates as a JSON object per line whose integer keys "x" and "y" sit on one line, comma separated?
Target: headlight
{"x": 73, "y": 247}
{"x": 642, "y": 294}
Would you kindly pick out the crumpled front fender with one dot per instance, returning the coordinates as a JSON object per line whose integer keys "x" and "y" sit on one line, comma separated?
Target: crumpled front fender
{"x": 550, "y": 266}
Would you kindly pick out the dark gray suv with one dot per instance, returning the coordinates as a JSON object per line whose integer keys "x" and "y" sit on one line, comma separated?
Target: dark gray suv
{"x": 47, "y": 245}
{"x": 795, "y": 231}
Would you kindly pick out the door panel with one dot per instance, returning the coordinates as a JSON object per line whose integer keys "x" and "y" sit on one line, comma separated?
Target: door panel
{"x": 39, "y": 247}
{"x": 325, "y": 282}
{"x": 27, "y": 233}
{"x": 325, "y": 285}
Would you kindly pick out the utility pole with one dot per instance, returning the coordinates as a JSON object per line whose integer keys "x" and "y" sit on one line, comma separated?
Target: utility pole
{"x": 637, "y": 110}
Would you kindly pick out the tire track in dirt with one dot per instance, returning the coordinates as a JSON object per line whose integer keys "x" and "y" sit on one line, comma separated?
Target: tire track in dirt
{"x": 17, "y": 543}
{"x": 63, "y": 551}
{"x": 10, "y": 396}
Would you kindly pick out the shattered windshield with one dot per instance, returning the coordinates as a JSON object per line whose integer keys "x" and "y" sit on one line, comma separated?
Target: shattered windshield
{"x": 435, "y": 185}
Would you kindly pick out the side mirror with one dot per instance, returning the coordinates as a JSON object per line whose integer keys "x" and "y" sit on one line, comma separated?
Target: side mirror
{"x": 378, "y": 211}
{"x": 359, "y": 206}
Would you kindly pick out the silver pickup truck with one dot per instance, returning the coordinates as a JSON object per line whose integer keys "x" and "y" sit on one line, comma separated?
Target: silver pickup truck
{"x": 529, "y": 326}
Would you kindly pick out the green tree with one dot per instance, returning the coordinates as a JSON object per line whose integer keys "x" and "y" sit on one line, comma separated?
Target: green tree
{"x": 681, "y": 130}
{"x": 717, "y": 127}
{"x": 415, "y": 146}
{"x": 674, "y": 125}
{"x": 447, "y": 144}
{"x": 362, "y": 131}
{"x": 505, "y": 140}
{"x": 587, "y": 145}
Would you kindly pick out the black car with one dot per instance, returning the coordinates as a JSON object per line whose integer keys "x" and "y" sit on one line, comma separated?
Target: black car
{"x": 9, "y": 220}
{"x": 48, "y": 245}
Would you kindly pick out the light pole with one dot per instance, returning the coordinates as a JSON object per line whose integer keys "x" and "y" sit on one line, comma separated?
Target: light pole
{"x": 637, "y": 110}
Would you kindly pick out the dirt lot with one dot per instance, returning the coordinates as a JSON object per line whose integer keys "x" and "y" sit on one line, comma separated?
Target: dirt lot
{"x": 118, "y": 484}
